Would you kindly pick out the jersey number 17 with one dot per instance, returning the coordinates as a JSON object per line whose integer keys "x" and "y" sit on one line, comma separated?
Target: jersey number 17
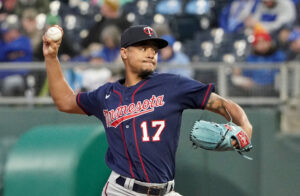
{"x": 159, "y": 124}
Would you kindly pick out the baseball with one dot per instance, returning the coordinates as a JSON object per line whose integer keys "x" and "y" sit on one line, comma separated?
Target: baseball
{"x": 54, "y": 33}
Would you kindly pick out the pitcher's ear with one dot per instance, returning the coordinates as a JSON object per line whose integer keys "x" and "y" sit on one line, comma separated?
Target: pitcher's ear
{"x": 124, "y": 53}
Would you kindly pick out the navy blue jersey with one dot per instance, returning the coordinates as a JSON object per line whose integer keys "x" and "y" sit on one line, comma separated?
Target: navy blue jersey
{"x": 142, "y": 122}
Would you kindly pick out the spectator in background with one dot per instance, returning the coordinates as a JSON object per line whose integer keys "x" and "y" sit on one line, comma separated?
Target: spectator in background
{"x": 259, "y": 81}
{"x": 41, "y": 6}
{"x": 7, "y": 8}
{"x": 169, "y": 56}
{"x": 110, "y": 11}
{"x": 232, "y": 17}
{"x": 273, "y": 15}
{"x": 14, "y": 47}
{"x": 282, "y": 38}
{"x": 92, "y": 77}
{"x": 29, "y": 28}
{"x": 83, "y": 78}
{"x": 162, "y": 28}
{"x": 294, "y": 45}
{"x": 110, "y": 51}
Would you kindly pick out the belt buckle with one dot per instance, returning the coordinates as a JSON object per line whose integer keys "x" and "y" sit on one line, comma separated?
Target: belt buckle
{"x": 154, "y": 187}
{"x": 148, "y": 191}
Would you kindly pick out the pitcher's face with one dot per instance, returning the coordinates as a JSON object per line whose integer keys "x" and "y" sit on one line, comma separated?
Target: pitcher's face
{"x": 142, "y": 58}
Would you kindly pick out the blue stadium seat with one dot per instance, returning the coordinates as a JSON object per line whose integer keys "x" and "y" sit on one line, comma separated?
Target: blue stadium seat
{"x": 169, "y": 7}
{"x": 74, "y": 21}
{"x": 142, "y": 11}
{"x": 195, "y": 49}
{"x": 184, "y": 26}
{"x": 198, "y": 7}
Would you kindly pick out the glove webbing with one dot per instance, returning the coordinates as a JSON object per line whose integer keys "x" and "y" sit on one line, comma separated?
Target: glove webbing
{"x": 222, "y": 139}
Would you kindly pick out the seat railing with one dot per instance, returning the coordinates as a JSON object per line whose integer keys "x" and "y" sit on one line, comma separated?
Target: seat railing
{"x": 287, "y": 82}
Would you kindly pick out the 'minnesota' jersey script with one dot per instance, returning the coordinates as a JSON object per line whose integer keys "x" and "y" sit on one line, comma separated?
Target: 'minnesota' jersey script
{"x": 142, "y": 122}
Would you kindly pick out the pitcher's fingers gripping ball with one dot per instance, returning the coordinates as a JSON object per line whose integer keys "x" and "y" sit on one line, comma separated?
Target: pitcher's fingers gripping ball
{"x": 52, "y": 40}
{"x": 54, "y": 33}
{"x": 218, "y": 137}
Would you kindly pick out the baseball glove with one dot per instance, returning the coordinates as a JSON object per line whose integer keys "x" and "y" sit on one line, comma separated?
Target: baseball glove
{"x": 218, "y": 137}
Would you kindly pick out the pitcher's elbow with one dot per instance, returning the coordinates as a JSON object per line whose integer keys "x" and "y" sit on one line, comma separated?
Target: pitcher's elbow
{"x": 62, "y": 106}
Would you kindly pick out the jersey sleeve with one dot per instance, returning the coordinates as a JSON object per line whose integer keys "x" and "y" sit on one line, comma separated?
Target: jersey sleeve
{"x": 91, "y": 102}
{"x": 193, "y": 94}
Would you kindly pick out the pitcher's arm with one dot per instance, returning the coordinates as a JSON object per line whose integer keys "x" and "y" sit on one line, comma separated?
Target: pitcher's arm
{"x": 60, "y": 91}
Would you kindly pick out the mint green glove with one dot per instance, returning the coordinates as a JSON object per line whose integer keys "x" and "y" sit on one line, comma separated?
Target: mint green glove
{"x": 218, "y": 137}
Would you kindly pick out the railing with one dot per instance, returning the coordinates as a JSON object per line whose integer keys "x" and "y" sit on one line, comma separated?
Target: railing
{"x": 287, "y": 82}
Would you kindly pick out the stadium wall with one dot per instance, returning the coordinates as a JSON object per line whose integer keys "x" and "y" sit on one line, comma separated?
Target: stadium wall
{"x": 274, "y": 171}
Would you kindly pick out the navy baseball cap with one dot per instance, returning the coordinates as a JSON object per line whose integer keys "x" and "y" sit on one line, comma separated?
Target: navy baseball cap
{"x": 140, "y": 33}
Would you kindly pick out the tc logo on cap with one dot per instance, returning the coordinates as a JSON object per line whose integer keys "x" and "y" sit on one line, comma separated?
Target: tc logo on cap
{"x": 148, "y": 31}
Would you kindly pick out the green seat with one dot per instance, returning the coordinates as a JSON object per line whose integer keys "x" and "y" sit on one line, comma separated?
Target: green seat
{"x": 62, "y": 160}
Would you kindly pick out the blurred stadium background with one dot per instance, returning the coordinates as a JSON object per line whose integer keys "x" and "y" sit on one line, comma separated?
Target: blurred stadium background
{"x": 237, "y": 44}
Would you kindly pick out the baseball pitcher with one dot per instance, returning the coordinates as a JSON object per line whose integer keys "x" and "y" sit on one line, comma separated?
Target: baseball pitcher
{"x": 142, "y": 114}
